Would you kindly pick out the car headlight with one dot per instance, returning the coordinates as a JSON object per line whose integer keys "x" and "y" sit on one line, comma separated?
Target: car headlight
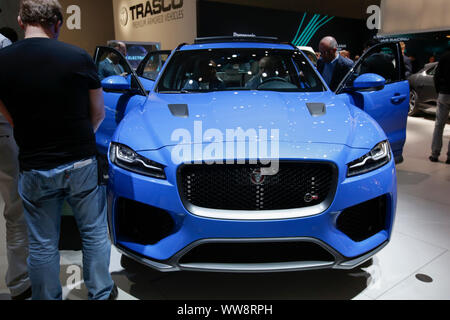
{"x": 376, "y": 158}
{"x": 126, "y": 158}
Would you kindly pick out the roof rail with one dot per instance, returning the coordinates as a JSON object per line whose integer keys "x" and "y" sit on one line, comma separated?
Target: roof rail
{"x": 292, "y": 45}
{"x": 180, "y": 46}
{"x": 237, "y": 38}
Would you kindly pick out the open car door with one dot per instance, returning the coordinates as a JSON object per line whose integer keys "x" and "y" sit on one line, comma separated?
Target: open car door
{"x": 120, "y": 85}
{"x": 388, "y": 104}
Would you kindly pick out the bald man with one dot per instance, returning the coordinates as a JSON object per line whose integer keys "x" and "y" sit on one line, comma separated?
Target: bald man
{"x": 331, "y": 65}
{"x": 119, "y": 46}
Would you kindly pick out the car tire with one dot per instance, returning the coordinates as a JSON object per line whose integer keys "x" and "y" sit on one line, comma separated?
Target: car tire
{"x": 413, "y": 103}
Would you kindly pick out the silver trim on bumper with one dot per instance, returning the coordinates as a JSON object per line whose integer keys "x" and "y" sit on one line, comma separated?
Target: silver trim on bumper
{"x": 173, "y": 264}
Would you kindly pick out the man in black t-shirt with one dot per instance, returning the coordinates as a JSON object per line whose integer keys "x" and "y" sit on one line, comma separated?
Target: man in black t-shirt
{"x": 51, "y": 95}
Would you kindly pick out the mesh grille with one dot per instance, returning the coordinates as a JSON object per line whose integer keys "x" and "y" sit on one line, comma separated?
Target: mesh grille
{"x": 240, "y": 187}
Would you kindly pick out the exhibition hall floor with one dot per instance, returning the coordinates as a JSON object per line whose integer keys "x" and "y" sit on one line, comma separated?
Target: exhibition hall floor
{"x": 414, "y": 265}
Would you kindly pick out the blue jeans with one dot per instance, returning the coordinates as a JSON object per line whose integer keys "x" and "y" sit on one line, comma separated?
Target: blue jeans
{"x": 43, "y": 194}
{"x": 442, "y": 111}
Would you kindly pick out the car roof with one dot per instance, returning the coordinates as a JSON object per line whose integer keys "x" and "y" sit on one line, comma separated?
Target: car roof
{"x": 236, "y": 45}
{"x": 237, "y": 41}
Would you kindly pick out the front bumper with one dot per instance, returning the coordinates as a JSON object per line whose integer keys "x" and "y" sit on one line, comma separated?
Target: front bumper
{"x": 191, "y": 231}
{"x": 173, "y": 264}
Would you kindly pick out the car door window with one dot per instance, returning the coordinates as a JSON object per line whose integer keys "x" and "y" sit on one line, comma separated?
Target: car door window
{"x": 381, "y": 59}
{"x": 111, "y": 62}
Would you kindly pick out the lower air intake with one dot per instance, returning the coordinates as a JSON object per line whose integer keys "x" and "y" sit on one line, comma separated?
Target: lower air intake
{"x": 141, "y": 223}
{"x": 257, "y": 252}
{"x": 364, "y": 220}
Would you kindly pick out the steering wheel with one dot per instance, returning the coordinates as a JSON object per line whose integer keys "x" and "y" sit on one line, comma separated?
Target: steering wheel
{"x": 271, "y": 80}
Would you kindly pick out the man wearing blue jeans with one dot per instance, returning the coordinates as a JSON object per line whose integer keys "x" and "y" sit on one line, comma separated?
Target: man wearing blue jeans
{"x": 43, "y": 193}
{"x": 50, "y": 93}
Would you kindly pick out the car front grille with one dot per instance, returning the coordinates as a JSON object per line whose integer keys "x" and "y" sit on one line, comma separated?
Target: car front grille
{"x": 239, "y": 187}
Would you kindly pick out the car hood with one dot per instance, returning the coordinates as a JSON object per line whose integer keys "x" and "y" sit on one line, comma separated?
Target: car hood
{"x": 260, "y": 114}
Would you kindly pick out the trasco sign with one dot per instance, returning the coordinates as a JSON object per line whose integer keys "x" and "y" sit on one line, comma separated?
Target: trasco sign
{"x": 169, "y": 22}
{"x": 154, "y": 7}
{"x": 152, "y": 12}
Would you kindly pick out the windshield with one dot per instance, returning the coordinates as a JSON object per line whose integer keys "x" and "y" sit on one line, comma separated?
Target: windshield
{"x": 239, "y": 69}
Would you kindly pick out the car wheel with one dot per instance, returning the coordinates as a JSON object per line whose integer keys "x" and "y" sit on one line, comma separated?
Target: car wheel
{"x": 413, "y": 103}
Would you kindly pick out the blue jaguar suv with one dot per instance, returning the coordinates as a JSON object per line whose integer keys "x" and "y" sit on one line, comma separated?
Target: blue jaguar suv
{"x": 231, "y": 154}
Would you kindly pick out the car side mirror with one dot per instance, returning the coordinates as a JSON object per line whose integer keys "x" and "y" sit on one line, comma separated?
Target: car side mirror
{"x": 369, "y": 82}
{"x": 116, "y": 83}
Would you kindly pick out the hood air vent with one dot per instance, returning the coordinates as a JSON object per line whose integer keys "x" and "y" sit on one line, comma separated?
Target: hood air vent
{"x": 179, "y": 110}
{"x": 317, "y": 109}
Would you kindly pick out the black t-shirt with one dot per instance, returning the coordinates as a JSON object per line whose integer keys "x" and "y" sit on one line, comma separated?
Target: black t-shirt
{"x": 442, "y": 75}
{"x": 45, "y": 86}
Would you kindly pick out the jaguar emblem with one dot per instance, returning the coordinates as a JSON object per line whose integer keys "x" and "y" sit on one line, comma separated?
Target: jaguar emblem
{"x": 311, "y": 197}
{"x": 257, "y": 178}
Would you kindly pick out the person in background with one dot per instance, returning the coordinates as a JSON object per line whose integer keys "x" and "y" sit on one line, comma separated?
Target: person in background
{"x": 442, "y": 84}
{"x": 267, "y": 69}
{"x": 378, "y": 62}
{"x": 345, "y": 54}
{"x": 406, "y": 61}
{"x": 332, "y": 65}
{"x": 110, "y": 66}
{"x": 414, "y": 64}
{"x": 206, "y": 79}
{"x": 54, "y": 124}
{"x": 432, "y": 59}
{"x": 11, "y": 207}
{"x": 119, "y": 46}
